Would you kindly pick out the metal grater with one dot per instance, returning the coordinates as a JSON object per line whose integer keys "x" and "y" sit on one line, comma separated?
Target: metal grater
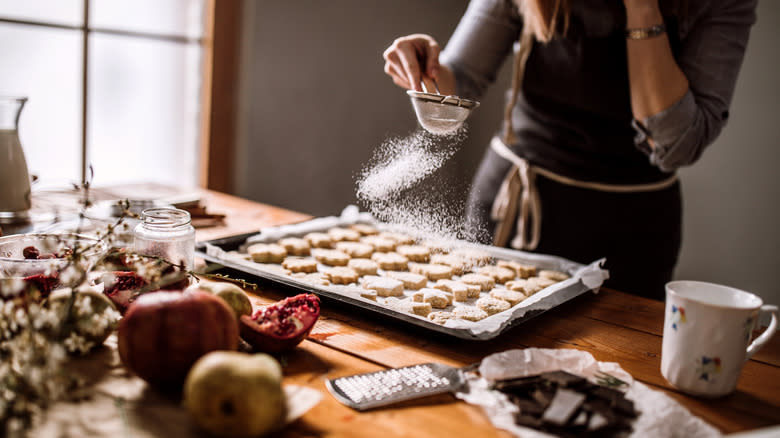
{"x": 382, "y": 388}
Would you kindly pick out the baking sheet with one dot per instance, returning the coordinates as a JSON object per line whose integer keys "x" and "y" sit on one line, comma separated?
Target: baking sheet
{"x": 583, "y": 277}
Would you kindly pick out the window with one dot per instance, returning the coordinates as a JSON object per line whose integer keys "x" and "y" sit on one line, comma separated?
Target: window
{"x": 117, "y": 85}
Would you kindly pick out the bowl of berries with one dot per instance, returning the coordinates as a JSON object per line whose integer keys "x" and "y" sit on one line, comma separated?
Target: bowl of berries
{"x": 39, "y": 259}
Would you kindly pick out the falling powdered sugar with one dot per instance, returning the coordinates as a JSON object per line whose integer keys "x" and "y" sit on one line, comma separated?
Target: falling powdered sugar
{"x": 402, "y": 162}
{"x": 400, "y": 186}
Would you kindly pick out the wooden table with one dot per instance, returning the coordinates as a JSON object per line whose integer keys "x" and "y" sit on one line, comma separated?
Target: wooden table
{"x": 613, "y": 326}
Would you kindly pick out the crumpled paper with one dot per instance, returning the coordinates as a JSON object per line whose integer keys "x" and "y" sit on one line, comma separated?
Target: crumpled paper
{"x": 660, "y": 415}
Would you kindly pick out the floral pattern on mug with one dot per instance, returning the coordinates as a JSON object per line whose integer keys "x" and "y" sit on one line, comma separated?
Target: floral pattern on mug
{"x": 707, "y": 367}
{"x": 678, "y": 316}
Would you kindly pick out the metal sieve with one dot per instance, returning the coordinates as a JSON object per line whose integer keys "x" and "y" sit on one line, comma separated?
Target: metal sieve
{"x": 439, "y": 114}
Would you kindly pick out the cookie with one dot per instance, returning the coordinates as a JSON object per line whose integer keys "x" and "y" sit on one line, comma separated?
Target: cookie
{"x": 458, "y": 264}
{"x": 553, "y": 275}
{"x": 522, "y": 271}
{"x": 501, "y": 275}
{"x": 368, "y": 294}
{"x": 416, "y": 308}
{"x": 266, "y": 253}
{"x": 319, "y": 240}
{"x": 390, "y": 261}
{"x": 330, "y": 257}
{"x": 343, "y": 234}
{"x": 364, "y": 229}
{"x": 300, "y": 264}
{"x": 432, "y": 271}
{"x": 411, "y": 281}
{"x": 295, "y": 246}
{"x": 419, "y": 296}
{"x": 459, "y": 291}
{"x": 316, "y": 278}
{"x": 473, "y": 290}
{"x": 363, "y": 266}
{"x": 475, "y": 257}
{"x": 421, "y": 309}
{"x": 483, "y": 281}
{"x": 353, "y": 290}
{"x": 437, "y": 246}
{"x": 510, "y": 296}
{"x": 398, "y": 238}
{"x": 541, "y": 282}
{"x": 380, "y": 244}
{"x": 492, "y": 305}
{"x": 384, "y": 287}
{"x": 355, "y": 249}
{"x": 523, "y": 286}
{"x": 415, "y": 253}
{"x": 469, "y": 313}
{"x": 342, "y": 275}
{"x": 440, "y": 317}
{"x": 436, "y": 298}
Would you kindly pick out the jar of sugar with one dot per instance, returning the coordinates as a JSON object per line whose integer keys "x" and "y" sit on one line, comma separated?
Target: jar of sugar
{"x": 167, "y": 233}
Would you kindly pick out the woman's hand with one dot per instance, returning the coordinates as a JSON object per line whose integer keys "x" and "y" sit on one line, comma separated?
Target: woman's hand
{"x": 412, "y": 58}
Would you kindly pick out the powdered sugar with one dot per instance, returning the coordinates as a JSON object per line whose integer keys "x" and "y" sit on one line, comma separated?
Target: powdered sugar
{"x": 401, "y": 186}
{"x": 401, "y": 162}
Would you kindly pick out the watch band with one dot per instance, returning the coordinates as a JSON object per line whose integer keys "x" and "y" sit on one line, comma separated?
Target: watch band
{"x": 645, "y": 32}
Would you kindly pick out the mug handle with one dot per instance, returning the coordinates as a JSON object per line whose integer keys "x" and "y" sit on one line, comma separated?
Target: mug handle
{"x": 761, "y": 340}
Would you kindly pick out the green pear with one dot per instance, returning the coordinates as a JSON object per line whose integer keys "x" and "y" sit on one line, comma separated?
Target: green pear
{"x": 232, "y": 294}
{"x": 232, "y": 394}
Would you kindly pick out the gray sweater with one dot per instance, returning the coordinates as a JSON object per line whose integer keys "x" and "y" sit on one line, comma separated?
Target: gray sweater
{"x": 574, "y": 113}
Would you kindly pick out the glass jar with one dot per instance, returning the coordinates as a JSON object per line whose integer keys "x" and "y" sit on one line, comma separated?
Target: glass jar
{"x": 167, "y": 233}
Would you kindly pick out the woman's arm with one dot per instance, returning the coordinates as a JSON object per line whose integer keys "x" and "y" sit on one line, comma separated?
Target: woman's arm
{"x": 679, "y": 116}
{"x": 475, "y": 52}
{"x": 655, "y": 78}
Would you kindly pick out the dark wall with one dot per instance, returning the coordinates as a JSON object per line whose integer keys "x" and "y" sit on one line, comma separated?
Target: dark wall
{"x": 316, "y": 101}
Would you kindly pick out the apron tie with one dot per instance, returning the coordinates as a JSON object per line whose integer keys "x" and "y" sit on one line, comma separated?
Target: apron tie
{"x": 518, "y": 199}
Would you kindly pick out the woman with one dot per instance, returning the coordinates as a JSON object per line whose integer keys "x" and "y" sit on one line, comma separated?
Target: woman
{"x": 607, "y": 101}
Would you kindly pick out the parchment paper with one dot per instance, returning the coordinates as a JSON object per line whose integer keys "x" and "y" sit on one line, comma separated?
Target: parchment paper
{"x": 583, "y": 277}
{"x": 660, "y": 415}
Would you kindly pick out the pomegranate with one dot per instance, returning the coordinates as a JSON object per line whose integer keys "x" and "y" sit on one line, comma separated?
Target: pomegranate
{"x": 120, "y": 286}
{"x": 163, "y": 333}
{"x": 281, "y": 326}
{"x": 41, "y": 285}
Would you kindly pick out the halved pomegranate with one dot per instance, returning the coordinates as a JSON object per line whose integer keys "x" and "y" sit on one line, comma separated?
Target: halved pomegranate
{"x": 43, "y": 283}
{"x": 281, "y": 326}
{"x": 120, "y": 286}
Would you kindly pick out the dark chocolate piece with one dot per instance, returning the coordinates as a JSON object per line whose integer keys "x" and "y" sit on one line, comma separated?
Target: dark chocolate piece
{"x": 568, "y": 405}
{"x": 563, "y": 405}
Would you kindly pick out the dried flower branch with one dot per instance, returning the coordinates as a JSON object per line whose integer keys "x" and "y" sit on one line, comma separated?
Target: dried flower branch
{"x": 39, "y": 326}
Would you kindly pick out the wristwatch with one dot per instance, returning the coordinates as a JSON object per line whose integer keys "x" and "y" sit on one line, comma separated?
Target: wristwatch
{"x": 645, "y": 32}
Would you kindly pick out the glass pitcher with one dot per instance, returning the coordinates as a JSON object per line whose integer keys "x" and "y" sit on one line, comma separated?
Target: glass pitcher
{"x": 14, "y": 178}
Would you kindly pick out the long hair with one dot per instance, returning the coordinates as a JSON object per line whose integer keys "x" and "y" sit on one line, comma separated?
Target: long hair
{"x": 542, "y": 18}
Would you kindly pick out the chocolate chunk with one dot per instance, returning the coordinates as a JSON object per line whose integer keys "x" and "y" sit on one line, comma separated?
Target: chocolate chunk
{"x": 597, "y": 421}
{"x": 528, "y": 421}
{"x": 563, "y": 405}
{"x": 528, "y": 407}
{"x": 568, "y": 405}
{"x": 564, "y": 379}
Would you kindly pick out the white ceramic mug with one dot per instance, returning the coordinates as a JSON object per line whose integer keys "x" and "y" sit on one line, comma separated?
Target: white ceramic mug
{"x": 707, "y": 329}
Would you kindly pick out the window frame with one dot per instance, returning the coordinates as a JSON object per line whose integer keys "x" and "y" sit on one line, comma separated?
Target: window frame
{"x": 219, "y": 72}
